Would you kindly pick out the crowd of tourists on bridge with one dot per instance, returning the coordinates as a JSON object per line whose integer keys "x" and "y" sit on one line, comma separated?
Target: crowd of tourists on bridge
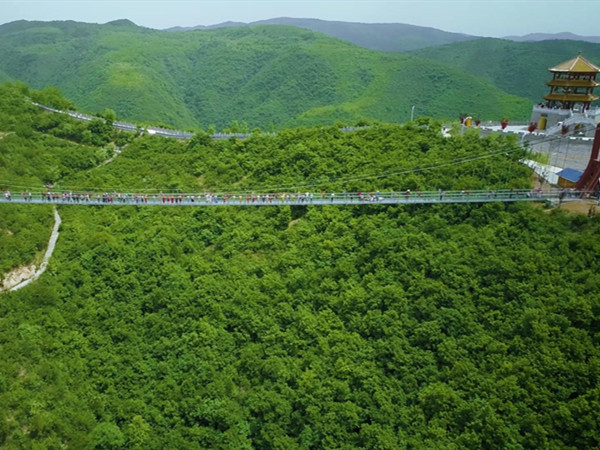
{"x": 286, "y": 197}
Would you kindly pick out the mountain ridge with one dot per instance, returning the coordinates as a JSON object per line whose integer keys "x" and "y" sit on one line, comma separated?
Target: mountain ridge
{"x": 562, "y": 36}
{"x": 389, "y": 37}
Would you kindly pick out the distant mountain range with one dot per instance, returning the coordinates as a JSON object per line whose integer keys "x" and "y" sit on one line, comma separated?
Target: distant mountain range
{"x": 566, "y": 36}
{"x": 388, "y": 37}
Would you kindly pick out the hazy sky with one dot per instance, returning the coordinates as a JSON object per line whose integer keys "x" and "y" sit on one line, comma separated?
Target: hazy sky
{"x": 477, "y": 17}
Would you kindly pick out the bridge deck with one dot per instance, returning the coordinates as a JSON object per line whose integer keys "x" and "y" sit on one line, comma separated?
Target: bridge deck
{"x": 273, "y": 199}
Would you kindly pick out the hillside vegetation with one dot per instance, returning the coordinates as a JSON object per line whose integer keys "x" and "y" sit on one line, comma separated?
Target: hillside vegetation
{"x": 37, "y": 149}
{"x": 518, "y": 68}
{"x": 263, "y": 76}
{"x": 368, "y": 326}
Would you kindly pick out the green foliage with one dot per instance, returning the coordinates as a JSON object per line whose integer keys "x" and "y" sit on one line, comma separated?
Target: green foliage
{"x": 24, "y": 233}
{"x": 36, "y": 150}
{"x": 106, "y": 436}
{"x": 261, "y": 76}
{"x": 36, "y": 147}
{"x": 383, "y": 157}
{"x": 4, "y": 77}
{"x": 109, "y": 115}
{"x": 218, "y": 327}
{"x": 51, "y": 96}
{"x": 436, "y": 326}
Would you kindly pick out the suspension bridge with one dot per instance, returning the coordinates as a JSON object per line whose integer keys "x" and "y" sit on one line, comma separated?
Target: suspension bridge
{"x": 297, "y": 199}
{"x": 585, "y": 186}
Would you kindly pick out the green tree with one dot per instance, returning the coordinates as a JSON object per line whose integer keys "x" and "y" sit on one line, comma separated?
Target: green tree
{"x": 137, "y": 433}
{"x": 106, "y": 436}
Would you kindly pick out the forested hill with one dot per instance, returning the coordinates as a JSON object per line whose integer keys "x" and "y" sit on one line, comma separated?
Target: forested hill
{"x": 519, "y": 68}
{"x": 389, "y": 37}
{"x": 265, "y": 76}
{"x": 439, "y": 326}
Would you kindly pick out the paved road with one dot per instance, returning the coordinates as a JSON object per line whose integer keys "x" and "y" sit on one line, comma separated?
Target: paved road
{"x": 127, "y": 126}
{"x": 157, "y": 131}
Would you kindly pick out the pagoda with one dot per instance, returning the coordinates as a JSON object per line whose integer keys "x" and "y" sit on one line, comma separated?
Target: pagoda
{"x": 571, "y": 93}
{"x": 573, "y": 83}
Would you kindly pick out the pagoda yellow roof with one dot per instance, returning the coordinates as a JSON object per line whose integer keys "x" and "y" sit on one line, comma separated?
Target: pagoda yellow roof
{"x": 578, "y": 64}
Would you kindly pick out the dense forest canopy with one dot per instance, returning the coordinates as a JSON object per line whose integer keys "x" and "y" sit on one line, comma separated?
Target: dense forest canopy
{"x": 446, "y": 326}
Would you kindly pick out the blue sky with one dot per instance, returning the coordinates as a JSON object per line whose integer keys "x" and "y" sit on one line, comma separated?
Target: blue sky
{"x": 477, "y": 17}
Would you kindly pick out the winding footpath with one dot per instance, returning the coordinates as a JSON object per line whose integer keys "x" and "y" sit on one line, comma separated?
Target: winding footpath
{"x": 35, "y": 275}
{"x": 109, "y": 160}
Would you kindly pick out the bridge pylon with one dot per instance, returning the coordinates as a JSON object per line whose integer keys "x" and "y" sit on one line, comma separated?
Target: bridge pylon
{"x": 588, "y": 182}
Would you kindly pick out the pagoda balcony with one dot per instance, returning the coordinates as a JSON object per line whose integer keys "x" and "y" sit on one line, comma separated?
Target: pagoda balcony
{"x": 573, "y": 83}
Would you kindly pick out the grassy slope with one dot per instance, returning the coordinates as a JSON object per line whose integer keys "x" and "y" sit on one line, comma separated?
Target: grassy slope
{"x": 519, "y": 68}
{"x": 262, "y": 75}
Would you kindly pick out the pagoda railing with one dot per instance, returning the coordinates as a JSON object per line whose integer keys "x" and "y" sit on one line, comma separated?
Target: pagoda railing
{"x": 557, "y": 110}
{"x": 592, "y": 112}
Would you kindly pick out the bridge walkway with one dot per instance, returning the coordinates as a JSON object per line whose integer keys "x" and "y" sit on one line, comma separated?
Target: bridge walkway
{"x": 273, "y": 199}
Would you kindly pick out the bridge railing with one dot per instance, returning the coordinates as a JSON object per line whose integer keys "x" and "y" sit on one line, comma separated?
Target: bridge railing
{"x": 289, "y": 198}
